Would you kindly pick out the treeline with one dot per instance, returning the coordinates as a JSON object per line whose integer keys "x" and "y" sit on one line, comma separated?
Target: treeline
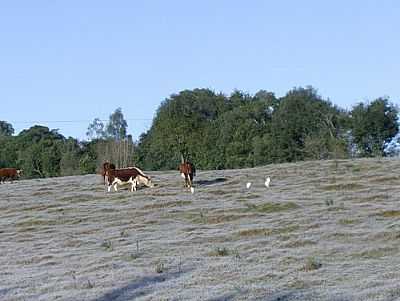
{"x": 242, "y": 130}
{"x": 41, "y": 152}
{"x": 213, "y": 130}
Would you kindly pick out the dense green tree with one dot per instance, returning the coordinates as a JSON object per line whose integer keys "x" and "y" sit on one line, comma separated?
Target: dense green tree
{"x": 181, "y": 128}
{"x": 40, "y": 151}
{"x": 70, "y": 157}
{"x": 8, "y": 152}
{"x": 302, "y": 118}
{"x": 214, "y": 131}
{"x": 373, "y": 125}
{"x": 6, "y": 129}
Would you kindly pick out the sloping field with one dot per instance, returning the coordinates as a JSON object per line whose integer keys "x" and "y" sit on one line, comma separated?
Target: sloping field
{"x": 323, "y": 231}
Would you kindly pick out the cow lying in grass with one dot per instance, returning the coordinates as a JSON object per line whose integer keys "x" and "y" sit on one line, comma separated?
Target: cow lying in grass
{"x": 130, "y": 175}
{"x": 9, "y": 174}
{"x": 188, "y": 171}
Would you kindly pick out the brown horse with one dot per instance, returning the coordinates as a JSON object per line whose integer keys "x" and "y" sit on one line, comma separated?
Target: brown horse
{"x": 188, "y": 171}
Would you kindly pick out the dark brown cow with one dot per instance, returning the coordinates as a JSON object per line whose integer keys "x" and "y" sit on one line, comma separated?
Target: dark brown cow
{"x": 129, "y": 175}
{"x": 9, "y": 174}
{"x": 188, "y": 171}
{"x": 106, "y": 166}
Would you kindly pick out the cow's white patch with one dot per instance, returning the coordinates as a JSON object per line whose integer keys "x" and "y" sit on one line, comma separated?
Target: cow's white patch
{"x": 144, "y": 180}
{"x": 183, "y": 175}
{"x": 118, "y": 182}
{"x": 267, "y": 181}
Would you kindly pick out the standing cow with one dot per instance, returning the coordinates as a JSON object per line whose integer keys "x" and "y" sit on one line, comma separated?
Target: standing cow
{"x": 9, "y": 174}
{"x": 106, "y": 166}
{"x": 129, "y": 175}
{"x": 188, "y": 171}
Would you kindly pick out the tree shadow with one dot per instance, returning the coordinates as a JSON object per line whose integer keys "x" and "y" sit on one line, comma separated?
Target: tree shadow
{"x": 303, "y": 294}
{"x": 210, "y": 182}
{"x": 137, "y": 288}
{"x": 226, "y": 297}
{"x": 5, "y": 291}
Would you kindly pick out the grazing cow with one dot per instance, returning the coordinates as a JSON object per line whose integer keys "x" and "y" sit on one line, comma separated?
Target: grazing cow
{"x": 106, "y": 166}
{"x": 141, "y": 178}
{"x": 188, "y": 171}
{"x": 129, "y": 175}
{"x": 9, "y": 174}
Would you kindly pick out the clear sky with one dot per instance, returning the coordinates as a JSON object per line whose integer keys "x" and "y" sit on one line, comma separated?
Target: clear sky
{"x": 77, "y": 60}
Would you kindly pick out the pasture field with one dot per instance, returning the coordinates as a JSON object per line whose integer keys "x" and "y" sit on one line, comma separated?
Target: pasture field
{"x": 323, "y": 230}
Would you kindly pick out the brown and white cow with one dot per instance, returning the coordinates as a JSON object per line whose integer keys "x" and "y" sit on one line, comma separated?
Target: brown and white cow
{"x": 130, "y": 175}
{"x": 9, "y": 174}
{"x": 106, "y": 166}
{"x": 188, "y": 171}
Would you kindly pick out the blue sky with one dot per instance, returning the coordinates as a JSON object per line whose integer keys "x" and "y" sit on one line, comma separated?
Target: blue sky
{"x": 78, "y": 60}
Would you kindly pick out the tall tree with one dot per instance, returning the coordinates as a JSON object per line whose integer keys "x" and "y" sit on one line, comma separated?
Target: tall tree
{"x": 301, "y": 121}
{"x": 117, "y": 126}
{"x": 373, "y": 125}
{"x": 181, "y": 127}
{"x": 6, "y": 129}
{"x": 95, "y": 130}
{"x": 40, "y": 151}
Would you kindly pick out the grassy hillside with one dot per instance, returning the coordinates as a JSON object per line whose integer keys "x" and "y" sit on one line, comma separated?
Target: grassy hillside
{"x": 323, "y": 231}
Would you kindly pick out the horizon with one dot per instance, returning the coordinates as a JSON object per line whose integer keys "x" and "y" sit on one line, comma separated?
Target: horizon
{"x": 146, "y": 121}
{"x": 75, "y": 62}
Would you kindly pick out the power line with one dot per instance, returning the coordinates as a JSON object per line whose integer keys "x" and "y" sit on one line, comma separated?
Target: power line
{"x": 75, "y": 121}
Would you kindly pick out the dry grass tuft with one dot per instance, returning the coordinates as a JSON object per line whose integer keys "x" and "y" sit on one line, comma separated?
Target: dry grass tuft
{"x": 267, "y": 232}
{"x": 311, "y": 265}
{"x": 299, "y": 243}
{"x": 342, "y": 186}
{"x": 272, "y": 207}
{"x": 390, "y": 213}
{"x": 376, "y": 253}
{"x": 166, "y": 205}
{"x": 255, "y": 232}
{"x": 348, "y": 221}
{"x": 219, "y": 251}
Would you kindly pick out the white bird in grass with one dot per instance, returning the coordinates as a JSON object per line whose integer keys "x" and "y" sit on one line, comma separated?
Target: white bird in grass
{"x": 267, "y": 181}
{"x": 248, "y": 185}
{"x": 192, "y": 190}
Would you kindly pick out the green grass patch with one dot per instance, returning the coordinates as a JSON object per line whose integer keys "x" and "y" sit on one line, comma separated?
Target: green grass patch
{"x": 299, "y": 243}
{"x": 167, "y": 204}
{"x": 32, "y": 222}
{"x": 376, "y": 253}
{"x": 342, "y": 186}
{"x": 267, "y": 231}
{"x": 373, "y": 198}
{"x": 255, "y": 232}
{"x": 219, "y": 252}
{"x": 385, "y": 179}
{"x": 272, "y": 207}
{"x": 348, "y": 221}
{"x": 390, "y": 213}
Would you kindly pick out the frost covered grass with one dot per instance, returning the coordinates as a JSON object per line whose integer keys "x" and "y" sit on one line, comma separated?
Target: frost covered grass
{"x": 323, "y": 230}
